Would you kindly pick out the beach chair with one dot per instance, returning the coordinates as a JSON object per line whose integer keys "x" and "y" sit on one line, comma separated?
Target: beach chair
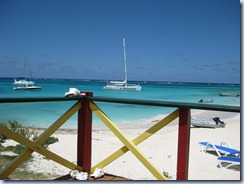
{"x": 230, "y": 160}
{"x": 223, "y": 148}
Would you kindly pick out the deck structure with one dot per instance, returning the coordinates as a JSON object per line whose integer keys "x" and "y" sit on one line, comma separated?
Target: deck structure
{"x": 85, "y": 106}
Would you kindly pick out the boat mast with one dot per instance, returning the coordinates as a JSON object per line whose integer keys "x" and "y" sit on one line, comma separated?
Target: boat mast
{"x": 125, "y": 61}
{"x": 28, "y": 67}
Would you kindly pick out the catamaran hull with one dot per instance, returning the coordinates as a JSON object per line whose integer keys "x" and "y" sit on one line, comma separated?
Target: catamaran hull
{"x": 124, "y": 88}
{"x": 28, "y": 88}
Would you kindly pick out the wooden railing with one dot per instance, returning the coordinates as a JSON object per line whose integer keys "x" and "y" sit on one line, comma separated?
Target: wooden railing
{"x": 85, "y": 106}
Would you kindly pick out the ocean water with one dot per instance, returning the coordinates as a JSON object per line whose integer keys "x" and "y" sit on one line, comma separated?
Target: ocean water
{"x": 43, "y": 114}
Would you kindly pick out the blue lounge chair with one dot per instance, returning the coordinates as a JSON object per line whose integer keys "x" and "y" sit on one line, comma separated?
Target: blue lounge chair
{"x": 223, "y": 148}
{"x": 231, "y": 160}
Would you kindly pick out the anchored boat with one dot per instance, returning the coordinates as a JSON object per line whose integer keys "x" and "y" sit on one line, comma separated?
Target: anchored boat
{"x": 229, "y": 94}
{"x": 22, "y": 83}
{"x": 122, "y": 85}
{"x": 206, "y": 101}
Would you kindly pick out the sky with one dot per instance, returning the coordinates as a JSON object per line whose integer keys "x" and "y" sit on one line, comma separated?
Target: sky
{"x": 166, "y": 40}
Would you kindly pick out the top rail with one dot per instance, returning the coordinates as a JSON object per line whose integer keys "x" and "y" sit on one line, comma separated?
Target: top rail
{"x": 128, "y": 101}
{"x": 39, "y": 99}
{"x": 167, "y": 104}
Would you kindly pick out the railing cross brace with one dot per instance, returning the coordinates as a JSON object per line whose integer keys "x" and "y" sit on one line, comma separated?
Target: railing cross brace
{"x": 36, "y": 145}
{"x": 131, "y": 145}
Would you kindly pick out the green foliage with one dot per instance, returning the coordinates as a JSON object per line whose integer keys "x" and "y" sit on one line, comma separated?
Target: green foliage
{"x": 50, "y": 140}
{"x": 22, "y": 173}
{"x": 15, "y": 149}
{"x": 26, "y": 132}
{"x": 22, "y": 130}
{"x": 18, "y": 149}
{"x": 30, "y": 134}
{"x": 14, "y": 125}
{"x": 3, "y": 137}
{"x": 167, "y": 174}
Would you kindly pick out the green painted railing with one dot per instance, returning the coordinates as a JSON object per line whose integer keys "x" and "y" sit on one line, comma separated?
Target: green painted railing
{"x": 225, "y": 108}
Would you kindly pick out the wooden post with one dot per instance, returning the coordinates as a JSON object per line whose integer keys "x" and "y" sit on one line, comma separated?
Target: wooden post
{"x": 84, "y": 135}
{"x": 183, "y": 143}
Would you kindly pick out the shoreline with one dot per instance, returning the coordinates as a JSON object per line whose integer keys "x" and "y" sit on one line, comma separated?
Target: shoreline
{"x": 205, "y": 114}
{"x": 161, "y": 149}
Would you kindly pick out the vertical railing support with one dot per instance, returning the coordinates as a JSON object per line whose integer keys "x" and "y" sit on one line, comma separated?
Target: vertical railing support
{"x": 84, "y": 135}
{"x": 183, "y": 143}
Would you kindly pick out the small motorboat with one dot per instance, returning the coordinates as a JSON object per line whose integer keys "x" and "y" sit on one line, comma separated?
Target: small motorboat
{"x": 229, "y": 94}
{"x": 207, "y": 123}
{"x": 206, "y": 101}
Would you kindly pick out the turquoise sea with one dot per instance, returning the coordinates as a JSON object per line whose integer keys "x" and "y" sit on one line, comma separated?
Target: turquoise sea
{"x": 43, "y": 114}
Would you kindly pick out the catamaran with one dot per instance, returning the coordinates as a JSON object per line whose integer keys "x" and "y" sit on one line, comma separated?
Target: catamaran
{"x": 122, "y": 85}
{"x": 21, "y": 83}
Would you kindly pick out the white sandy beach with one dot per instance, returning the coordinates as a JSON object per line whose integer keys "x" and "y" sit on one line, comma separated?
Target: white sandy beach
{"x": 161, "y": 149}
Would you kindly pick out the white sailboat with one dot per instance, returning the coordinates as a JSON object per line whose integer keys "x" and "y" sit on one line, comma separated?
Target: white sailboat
{"x": 122, "y": 85}
{"x": 21, "y": 83}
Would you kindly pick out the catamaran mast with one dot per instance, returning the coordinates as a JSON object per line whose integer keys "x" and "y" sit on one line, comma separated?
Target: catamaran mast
{"x": 125, "y": 61}
{"x": 27, "y": 67}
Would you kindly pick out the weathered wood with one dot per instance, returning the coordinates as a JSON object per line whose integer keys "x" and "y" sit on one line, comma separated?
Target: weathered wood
{"x": 183, "y": 144}
{"x": 84, "y": 148}
{"x": 148, "y": 133}
{"x": 41, "y": 139}
{"x": 129, "y": 144}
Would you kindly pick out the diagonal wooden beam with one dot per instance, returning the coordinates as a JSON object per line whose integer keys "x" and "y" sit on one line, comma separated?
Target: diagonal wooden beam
{"x": 148, "y": 133}
{"x": 41, "y": 139}
{"x": 37, "y": 148}
{"x": 130, "y": 145}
